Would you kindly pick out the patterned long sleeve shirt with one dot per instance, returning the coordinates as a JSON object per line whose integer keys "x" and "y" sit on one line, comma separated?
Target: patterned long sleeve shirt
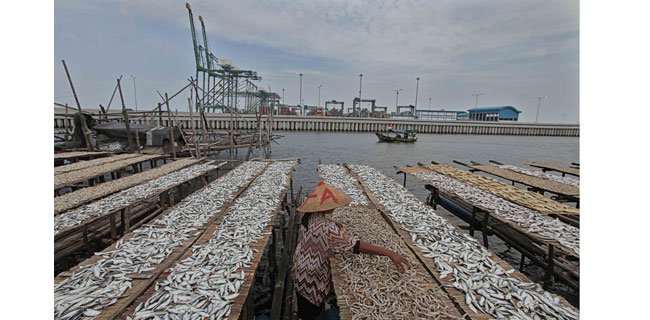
{"x": 321, "y": 239}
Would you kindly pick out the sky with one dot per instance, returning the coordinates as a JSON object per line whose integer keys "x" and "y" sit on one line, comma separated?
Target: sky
{"x": 512, "y": 51}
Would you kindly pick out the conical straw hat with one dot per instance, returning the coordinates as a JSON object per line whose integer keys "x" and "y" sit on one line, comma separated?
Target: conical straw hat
{"x": 323, "y": 198}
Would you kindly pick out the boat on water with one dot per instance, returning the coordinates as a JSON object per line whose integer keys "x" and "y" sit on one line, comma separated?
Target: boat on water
{"x": 397, "y": 135}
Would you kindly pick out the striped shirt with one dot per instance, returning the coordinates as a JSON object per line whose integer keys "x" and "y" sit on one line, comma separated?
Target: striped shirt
{"x": 311, "y": 265}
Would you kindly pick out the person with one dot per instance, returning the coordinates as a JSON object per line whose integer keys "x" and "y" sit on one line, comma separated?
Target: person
{"x": 319, "y": 239}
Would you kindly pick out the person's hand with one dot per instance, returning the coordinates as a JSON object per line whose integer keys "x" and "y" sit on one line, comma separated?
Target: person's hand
{"x": 399, "y": 261}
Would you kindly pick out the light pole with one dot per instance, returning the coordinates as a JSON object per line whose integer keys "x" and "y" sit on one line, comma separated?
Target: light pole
{"x": 477, "y": 94}
{"x": 300, "y": 99}
{"x": 417, "y": 84}
{"x": 319, "y": 95}
{"x": 539, "y": 101}
{"x": 282, "y": 96}
{"x": 360, "y": 77}
{"x": 397, "y": 98}
{"x": 135, "y": 93}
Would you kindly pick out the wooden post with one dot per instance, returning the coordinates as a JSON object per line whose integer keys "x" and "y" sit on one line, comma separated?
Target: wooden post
{"x": 196, "y": 143}
{"x": 484, "y": 230}
{"x": 126, "y": 118}
{"x": 113, "y": 226}
{"x": 472, "y": 224}
{"x": 84, "y": 128}
{"x": 126, "y": 212}
{"x": 171, "y": 128}
{"x": 550, "y": 263}
{"x": 521, "y": 263}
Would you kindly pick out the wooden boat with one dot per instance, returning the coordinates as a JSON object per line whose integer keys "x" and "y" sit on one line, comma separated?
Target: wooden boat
{"x": 399, "y": 136}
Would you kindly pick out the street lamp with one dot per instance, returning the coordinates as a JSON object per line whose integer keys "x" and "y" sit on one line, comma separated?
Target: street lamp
{"x": 429, "y": 103}
{"x": 397, "y": 98}
{"x": 319, "y": 95}
{"x": 282, "y": 96}
{"x": 539, "y": 101}
{"x": 477, "y": 94}
{"x": 417, "y": 84}
{"x": 135, "y": 93}
{"x": 360, "y": 77}
{"x": 300, "y": 99}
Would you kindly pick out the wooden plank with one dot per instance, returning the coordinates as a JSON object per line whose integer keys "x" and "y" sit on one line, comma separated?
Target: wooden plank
{"x": 79, "y": 154}
{"x": 531, "y": 200}
{"x": 536, "y": 182}
{"x": 66, "y": 231}
{"x": 575, "y": 171}
{"x": 71, "y": 178}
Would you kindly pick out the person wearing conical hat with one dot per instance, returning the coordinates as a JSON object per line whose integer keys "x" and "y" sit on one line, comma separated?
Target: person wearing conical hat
{"x": 319, "y": 239}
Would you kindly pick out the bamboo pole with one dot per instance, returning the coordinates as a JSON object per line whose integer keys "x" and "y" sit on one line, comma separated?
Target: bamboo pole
{"x": 196, "y": 144}
{"x": 171, "y": 128}
{"x": 84, "y": 128}
{"x": 126, "y": 117}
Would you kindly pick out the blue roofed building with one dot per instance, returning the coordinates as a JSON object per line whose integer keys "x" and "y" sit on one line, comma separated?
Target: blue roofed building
{"x": 500, "y": 113}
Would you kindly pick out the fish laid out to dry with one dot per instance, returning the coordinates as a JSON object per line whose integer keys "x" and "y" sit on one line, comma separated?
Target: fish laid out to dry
{"x": 92, "y": 163}
{"x": 68, "y": 178}
{"x": 377, "y": 289}
{"x": 540, "y": 183}
{"x": 337, "y": 177}
{"x": 73, "y": 199}
{"x": 205, "y": 284}
{"x": 519, "y": 196}
{"x": 487, "y": 285}
{"x": 127, "y": 197}
{"x": 566, "y": 179}
{"x": 535, "y": 223}
{"x": 98, "y": 285}
{"x": 79, "y": 154}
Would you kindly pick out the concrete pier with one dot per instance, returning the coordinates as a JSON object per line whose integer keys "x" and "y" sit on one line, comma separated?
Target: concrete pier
{"x": 350, "y": 124}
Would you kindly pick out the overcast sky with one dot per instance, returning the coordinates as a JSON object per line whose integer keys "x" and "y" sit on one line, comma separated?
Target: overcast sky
{"x": 512, "y": 51}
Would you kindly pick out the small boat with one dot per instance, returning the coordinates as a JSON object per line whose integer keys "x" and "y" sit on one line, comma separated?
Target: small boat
{"x": 399, "y": 136}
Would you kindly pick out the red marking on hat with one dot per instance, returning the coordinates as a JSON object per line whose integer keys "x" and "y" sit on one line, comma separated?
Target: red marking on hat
{"x": 313, "y": 195}
{"x": 327, "y": 194}
{"x": 321, "y": 183}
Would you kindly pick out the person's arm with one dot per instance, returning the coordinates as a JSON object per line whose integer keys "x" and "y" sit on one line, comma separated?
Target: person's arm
{"x": 399, "y": 261}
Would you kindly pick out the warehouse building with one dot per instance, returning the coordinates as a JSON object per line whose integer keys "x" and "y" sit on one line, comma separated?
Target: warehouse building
{"x": 500, "y": 113}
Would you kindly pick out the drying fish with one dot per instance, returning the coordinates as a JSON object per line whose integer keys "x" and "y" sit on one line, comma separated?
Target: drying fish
{"x": 85, "y": 195}
{"x": 206, "y": 283}
{"x": 127, "y": 197}
{"x": 488, "y": 286}
{"x": 98, "y": 285}
{"x": 534, "y": 222}
{"x": 566, "y": 180}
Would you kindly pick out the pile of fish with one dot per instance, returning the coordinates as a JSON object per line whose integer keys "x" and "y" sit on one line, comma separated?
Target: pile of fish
{"x": 95, "y": 286}
{"x": 127, "y": 197}
{"x": 534, "y": 222}
{"x": 112, "y": 146}
{"x": 81, "y": 196}
{"x": 206, "y": 283}
{"x": 413, "y": 294}
{"x": 337, "y": 177}
{"x": 488, "y": 287}
{"x": 66, "y": 178}
{"x": 566, "y": 180}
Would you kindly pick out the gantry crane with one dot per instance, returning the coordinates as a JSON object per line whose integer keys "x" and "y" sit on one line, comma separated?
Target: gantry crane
{"x": 334, "y": 102}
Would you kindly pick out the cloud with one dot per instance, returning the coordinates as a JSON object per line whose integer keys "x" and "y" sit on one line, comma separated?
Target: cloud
{"x": 472, "y": 45}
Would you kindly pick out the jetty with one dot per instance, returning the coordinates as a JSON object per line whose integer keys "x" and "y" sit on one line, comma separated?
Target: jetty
{"x": 223, "y": 121}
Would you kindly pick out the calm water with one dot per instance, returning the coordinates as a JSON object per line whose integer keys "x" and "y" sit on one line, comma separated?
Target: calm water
{"x": 363, "y": 148}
